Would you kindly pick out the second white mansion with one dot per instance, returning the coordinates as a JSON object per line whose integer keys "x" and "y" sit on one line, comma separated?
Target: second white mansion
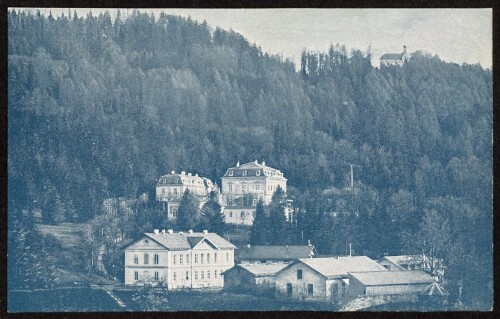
{"x": 242, "y": 187}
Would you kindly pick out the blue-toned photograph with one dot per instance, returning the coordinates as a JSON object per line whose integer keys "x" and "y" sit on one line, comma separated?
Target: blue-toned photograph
{"x": 172, "y": 160}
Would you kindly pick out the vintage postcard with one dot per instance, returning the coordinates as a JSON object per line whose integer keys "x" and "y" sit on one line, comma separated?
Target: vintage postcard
{"x": 249, "y": 160}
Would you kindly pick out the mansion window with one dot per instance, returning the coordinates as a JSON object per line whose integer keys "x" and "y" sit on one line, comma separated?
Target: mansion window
{"x": 215, "y": 257}
{"x": 195, "y": 275}
{"x": 242, "y": 214}
{"x": 230, "y": 214}
{"x": 208, "y": 258}
{"x": 136, "y": 275}
{"x": 257, "y": 187}
{"x": 230, "y": 173}
{"x": 202, "y": 274}
{"x": 201, "y": 258}
{"x": 310, "y": 288}
{"x": 299, "y": 273}
{"x": 156, "y": 259}
{"x": 227, "y": 257}
{"x": 243, "y": 187}
{"x": 156, "y": 276}
{"x": 195, "y": 258}
{"x": 174, "y": 212}
{"x": 180, "y": 259}
{"x": 136, "y": 259}
{"x": 257, "y": 173}
{"x": 187, "y": 275}
{"x": 208, "y": 274}
{"x": 245, "y": 173}
{"x": 175, "y": 191}
{"x": 174, "y": 259}
{"x": 187, "y": 259}
{"x": 175, "y": 276}
{"x": 230, "y": 186}
{"x": 146, "y": 259}
{"x": 215, "y": 273}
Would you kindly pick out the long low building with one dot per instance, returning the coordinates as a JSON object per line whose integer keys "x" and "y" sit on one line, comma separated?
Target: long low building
{"x": 402, "y": 282}
{"x": 253, "y": 278}
{"x": 273, "y": 253}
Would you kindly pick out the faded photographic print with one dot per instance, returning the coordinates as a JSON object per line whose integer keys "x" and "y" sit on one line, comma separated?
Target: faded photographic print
{"x": 249, "y": 160}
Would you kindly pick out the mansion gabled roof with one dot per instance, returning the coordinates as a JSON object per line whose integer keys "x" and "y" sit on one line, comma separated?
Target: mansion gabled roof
{"x": 253, "y": 169}
{"x": 184, "y": 179}
{"x": 186, "y": 241}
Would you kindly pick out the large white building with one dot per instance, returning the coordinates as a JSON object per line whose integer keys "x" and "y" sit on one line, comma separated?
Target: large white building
{"x": 178, "y": 260}
{"x": 397, "y": 59}
{"x": 244, "y": 185}
{"x": 171, "y": 187}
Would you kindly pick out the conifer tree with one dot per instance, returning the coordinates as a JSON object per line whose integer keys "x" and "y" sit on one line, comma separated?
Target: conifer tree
{"x": 188, "y": 212}
{"x": 211, "y": 214}
{"x": 259, "y": 234}
{"x": 280, "y": 234}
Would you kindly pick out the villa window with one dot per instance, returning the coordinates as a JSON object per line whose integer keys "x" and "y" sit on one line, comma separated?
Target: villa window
{"x": 195, "y": 258}
{"x": 215, "y": 273}
{"x": 257, "y": 173}
{"x": 175, "y": 276}
{"x": 136, "y": 275}
{"x": 230, "y": 186}
{"x": 187, "y": 275}
{"x": 208, "y": 274}
{"x": 136, "y": 259}
{"x": 299, "y": 273}
{"x": 245, "y": 173}
{"x": 208, "y": 258}
{"x": 227, "y": 257}
{"x": 310, "y": 288}
{"x": 230, "y": 214}
{"x": 174, "y": 259}
{"x": 156, "y": 276}
{"x": 230, "y": 173}
{"x": 202, "y": 274}
{"x": 156, "y": 259}
{"x": 243, "y": 187}
{"x": 215, "y": 257}
{"x": 187, "y": 259}
{"x": 195, "y": 275}
{"x": 242, "y": 214}
{"x": 146, "y": 259}
{"x": 202, "y": 257}
{"x": 180, "y": 259}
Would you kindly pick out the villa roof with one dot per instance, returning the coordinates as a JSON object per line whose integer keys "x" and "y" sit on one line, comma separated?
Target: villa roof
{"x": 186, "y": 241}
{"x": 253, "y": 169}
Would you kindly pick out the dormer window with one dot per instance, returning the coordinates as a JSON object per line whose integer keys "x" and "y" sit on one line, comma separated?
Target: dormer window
{"x": 257, "y": 173}
{"x": 245, "y": 173}
{"x": 230, "y": 173}
{"x": 176, "y": 180}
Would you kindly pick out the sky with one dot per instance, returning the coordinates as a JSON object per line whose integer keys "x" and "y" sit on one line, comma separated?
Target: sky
{"x": 455, "y": 35}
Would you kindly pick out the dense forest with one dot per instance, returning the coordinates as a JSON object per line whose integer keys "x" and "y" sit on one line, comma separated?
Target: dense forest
{"x": 101, "y": 109}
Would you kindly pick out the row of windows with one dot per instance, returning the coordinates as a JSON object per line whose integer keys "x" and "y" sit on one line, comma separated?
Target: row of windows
{"x": 243, "y": 214}
{"x": 156, "y": 258}
{"x": 156, "y": 276}
{"x": 243, "y": 187}
{"x": 258, "y": 172}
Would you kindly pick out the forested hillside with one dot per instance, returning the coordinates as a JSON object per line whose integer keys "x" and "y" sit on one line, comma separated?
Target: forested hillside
{"x": 101, "y": 108}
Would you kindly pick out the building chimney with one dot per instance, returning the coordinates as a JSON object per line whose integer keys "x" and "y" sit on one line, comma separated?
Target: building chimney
{"x": 189, "y": 174}
{"x": 172, "y": 172}
{"x": 205, "y": 231}
{"x": 170, "y": 231}
{"x": 256, "y": 162}
{"x": 190, "y": 231}
{"x": 308, "y": 242}
{"x": 263, "y": 163}
{"x": 196, "y": 175}
{"x": 163, "y": 231}
{"x": 181, "y": 233}
{"x": 248, "y": 245}
{"x": 157, "y": 231}
{"x": 183, "y": 173}
{"x": 238, "y": 164}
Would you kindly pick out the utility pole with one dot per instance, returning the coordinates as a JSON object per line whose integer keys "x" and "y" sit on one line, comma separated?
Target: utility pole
{"x": 352, "y": 174}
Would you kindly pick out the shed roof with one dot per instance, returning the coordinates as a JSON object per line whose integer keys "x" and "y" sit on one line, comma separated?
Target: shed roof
{"x": 338, "y": 267}
{"x": 275, "y": 252}
{"x": 185, "y": 241}
{"x": 385, "y": 278}
{"x": 404, "y": 259}
{"x": 260, "y": 270}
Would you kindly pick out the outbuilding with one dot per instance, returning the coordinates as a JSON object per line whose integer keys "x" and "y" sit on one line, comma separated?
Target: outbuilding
{"x": 321, "y": 279}
{"x": 252, "y": 278}
{"x": 404, "y": 282}
{"x": 274, "y": 253}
